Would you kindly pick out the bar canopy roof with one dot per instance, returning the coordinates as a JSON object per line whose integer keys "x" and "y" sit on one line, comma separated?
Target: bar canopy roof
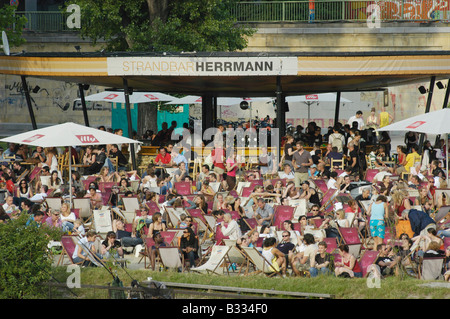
{"x": 236, "y": 73}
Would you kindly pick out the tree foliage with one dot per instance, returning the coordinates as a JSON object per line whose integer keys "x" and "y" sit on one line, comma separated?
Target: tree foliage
{"x": 12, "y": 24}
{"x": 25, "y": 262}
{"x": 163, "y": 25}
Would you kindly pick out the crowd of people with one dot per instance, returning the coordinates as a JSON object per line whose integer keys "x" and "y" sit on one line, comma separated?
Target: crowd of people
{"x": 326, "y": 174}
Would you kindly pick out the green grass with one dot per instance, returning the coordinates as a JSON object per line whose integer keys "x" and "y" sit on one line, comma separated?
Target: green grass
{"x": 341, "y": 288}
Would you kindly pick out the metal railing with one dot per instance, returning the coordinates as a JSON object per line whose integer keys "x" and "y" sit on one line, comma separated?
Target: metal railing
{"x": 45, "y": 21}
{"x": 290, "y": 11}
{"x": 341, "y": 10}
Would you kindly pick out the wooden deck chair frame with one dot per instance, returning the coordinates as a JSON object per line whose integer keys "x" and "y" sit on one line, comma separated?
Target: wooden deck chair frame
{"x": 262, "y": 266}
{"x": 216, "y": 261}
{"x": 171, "y": 258}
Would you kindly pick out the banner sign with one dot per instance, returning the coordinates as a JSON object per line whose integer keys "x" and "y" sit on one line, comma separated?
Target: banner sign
{"x": 201, "y": 66}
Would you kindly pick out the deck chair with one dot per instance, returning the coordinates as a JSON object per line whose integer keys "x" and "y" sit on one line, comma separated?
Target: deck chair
{"x": 262, "y": 266}
{"x": 350, "y": 237}
{"x": 68, "y": 247}
{"x": 234, "y": 255}
{"x": 216, "y": 264}
{"x": 431, "y": 268}
{"x": 219, "y": 236}
{"x": 282, "y": 213}
{"x": 170, "y": 258}
{"x": 130, "y": 204}
{"x": 174, "y": 215}
{"x": 327, "y": 199}
{"x": 54, "y": 203}
{"x": 331, "y": 244}
{"x": 153, "y": 207}
{"x": 300, "y": 209}
{"x": 251, "y": 223}
{"x": 215, "y": 186}
{"x": 321, "y": 185}
{"x": 241, "y": 185}
{"x": 170, "y": 237}
{"x": 368, "y": 258}
{"x": 370, "y": 174}
{"x": 247, "y": 191}
{"x": 102, "y": 221}
{"x": 145, "y": 254}
{"x": 183, "y": 188}
{"x": 126, "y": 217}
{"x": 34, "y": 173}
{"x": 84, "y": 204}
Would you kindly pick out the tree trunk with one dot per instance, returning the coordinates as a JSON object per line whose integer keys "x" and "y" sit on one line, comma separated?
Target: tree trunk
{"x": 158, "y": 9}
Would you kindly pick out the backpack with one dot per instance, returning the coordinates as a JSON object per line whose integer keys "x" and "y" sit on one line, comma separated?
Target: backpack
{"x": 337, "y": 142}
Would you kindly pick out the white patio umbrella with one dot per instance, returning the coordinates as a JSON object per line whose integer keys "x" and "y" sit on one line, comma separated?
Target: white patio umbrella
{"x": 67, "y": 135}
{"x": 136, "y": 97}
{"x": 309, "y": 99}
{"x": 436, "y": 123}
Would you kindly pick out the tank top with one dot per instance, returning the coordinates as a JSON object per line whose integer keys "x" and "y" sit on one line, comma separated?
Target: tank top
{"x": 356, "y": 267}
{"x": 384, "y": 119}
{"x": 377, "y": 212}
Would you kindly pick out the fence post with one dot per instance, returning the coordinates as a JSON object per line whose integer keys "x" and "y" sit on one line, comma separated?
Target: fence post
{"x": 343, "y": 10}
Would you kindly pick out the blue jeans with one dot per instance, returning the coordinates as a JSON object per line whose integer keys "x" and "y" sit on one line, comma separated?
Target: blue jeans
{"x": 314, "y": 272}
{"x": 443, "y": 233}
{"x": 131, "y": 241}
{"x": 66, "y": 226}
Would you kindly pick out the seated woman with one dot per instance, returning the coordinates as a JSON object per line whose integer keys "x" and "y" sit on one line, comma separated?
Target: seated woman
{"x": 189, "y": 246}
{"x": 111, "y": 247}
{"x": 349, "y": 265}
{"x": 273, "y": 255}
{"x": 55, "y": 183}
{"x": 67, "y": 217}
{"x": 156, "y": 225}
{"x": 96, "y": 198}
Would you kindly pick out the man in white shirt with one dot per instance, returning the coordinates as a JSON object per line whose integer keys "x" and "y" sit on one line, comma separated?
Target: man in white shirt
{"x": 287, "y": 173}
{"x": 40, "y": 197}
{"x": 231, "y": 230}
{"x": 8, "y": 206}
{"x": 357, "y": 118}
{"x": 332, "y": 183}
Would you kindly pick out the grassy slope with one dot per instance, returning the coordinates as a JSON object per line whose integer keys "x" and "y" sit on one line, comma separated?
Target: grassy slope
{"x": 341, "y": 288}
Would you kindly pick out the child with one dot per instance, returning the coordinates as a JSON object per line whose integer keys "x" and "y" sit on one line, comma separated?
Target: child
{"x": 78, "y": 228}
{"x": 183, "y": 223}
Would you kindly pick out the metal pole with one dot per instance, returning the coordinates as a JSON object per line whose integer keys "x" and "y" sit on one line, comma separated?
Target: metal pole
{"x": 444, "y": 105}
{"x": 130, "y": 128}
{"x": 336, "y": 109}
{"x": 427, "y": 107}
{"x": 281, "y": 125}
{"x": 83, "y": 104}
{"x": 28, "y": 98}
